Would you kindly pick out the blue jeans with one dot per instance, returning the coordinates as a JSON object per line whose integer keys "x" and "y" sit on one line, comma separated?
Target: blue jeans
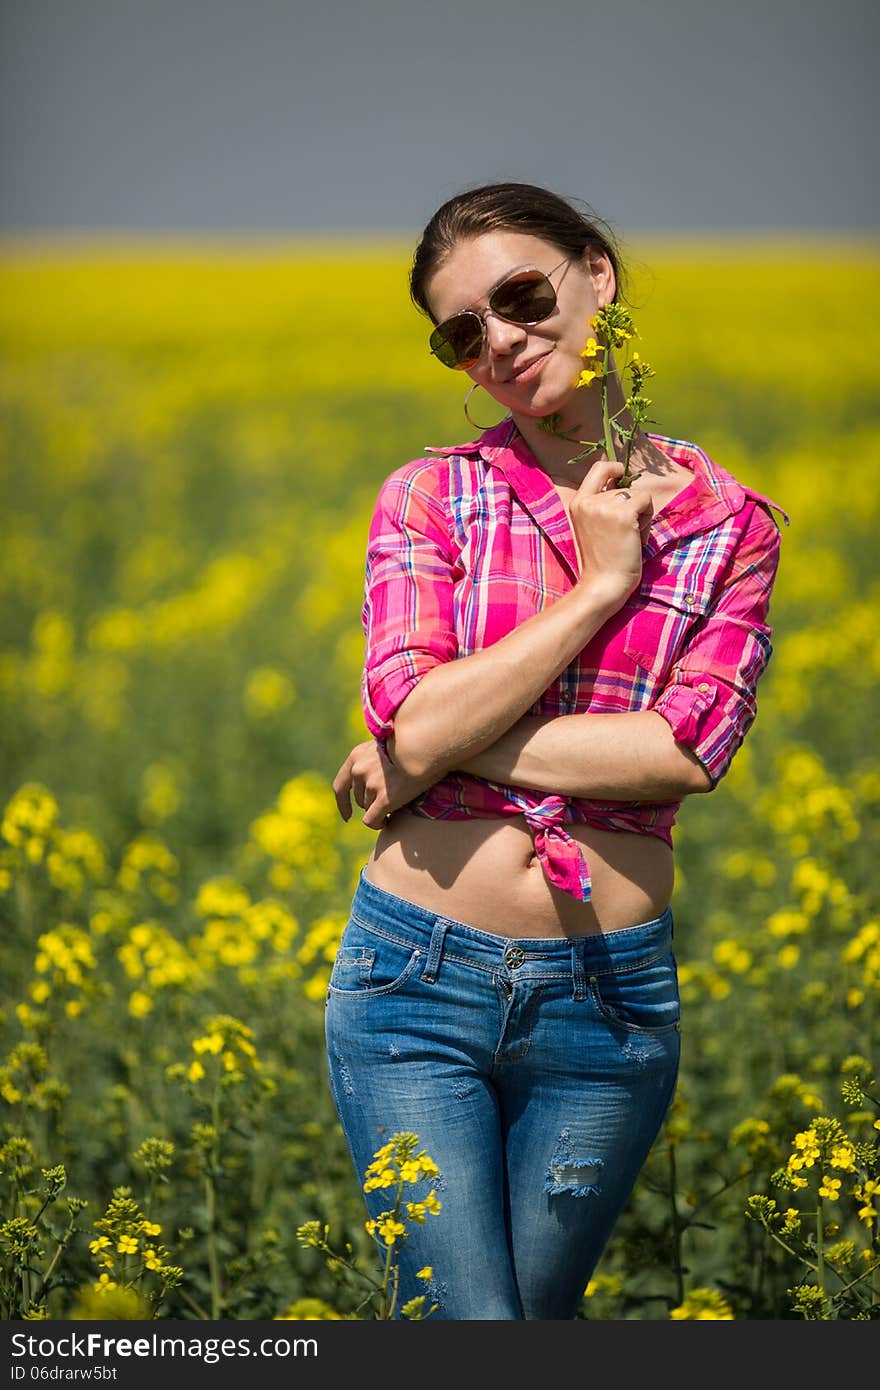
{"x": 536, "y": 1072}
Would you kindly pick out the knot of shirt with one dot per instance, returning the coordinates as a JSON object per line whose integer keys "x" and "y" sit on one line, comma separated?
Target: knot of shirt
{"x": 560, "y": 856}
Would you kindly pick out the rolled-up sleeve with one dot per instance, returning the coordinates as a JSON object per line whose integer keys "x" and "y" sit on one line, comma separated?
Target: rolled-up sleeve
{"x": 407, "y": 614}
{"x": 710, "y": 700}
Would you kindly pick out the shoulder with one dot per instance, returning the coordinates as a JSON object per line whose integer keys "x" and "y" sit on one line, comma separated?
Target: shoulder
{"x": 437, "y": 479}
{"x": 742, "y": 497}
{"x": 423, "y": 480}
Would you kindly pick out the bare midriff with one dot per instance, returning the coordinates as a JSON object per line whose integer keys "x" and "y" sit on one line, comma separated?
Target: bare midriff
{"x": 484, "y": 872}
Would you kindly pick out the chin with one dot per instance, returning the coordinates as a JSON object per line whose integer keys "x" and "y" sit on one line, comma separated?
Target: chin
{"x": 547, "y": 403}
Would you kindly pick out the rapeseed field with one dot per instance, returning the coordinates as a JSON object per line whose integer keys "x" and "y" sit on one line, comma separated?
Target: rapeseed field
{"x": 193, "y": 435}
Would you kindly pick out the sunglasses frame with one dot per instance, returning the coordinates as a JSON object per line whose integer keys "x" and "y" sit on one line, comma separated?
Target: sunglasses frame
{"x": 480, "y": 316}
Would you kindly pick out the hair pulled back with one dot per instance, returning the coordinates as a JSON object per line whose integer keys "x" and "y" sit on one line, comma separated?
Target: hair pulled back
{"x": 509, "y": 207}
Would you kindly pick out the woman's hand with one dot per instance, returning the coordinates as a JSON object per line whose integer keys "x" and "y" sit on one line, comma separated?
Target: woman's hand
{"x": 378, "y": 785}
{"x": 610, "y": 526}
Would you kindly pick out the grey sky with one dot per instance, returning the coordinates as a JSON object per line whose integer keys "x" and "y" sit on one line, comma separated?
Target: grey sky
{"x": 282, "y": 116}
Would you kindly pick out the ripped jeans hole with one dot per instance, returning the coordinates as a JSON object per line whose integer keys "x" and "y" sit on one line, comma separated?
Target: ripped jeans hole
{"x": 577, "y": 1179}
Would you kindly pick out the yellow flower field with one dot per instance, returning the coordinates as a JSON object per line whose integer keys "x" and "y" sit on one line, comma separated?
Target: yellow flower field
{"x": 193, "y": 435}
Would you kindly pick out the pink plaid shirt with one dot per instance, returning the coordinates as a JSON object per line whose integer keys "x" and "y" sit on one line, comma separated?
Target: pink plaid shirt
{"x": 469, "y": 543}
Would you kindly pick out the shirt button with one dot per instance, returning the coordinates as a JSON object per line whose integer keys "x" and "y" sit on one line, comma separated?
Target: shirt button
{"x": 514, "y": 957}
{"x": 690, "y": 599}
{"x": 705, "y": 687}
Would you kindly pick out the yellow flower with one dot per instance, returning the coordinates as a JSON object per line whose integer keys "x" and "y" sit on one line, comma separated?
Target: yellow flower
{"x": 151, "y": 1228}
{"x": 390, "y": 1229}
{"x": 702, "y": 1305}
{"x": 196, "y": 1071}
{"x": 151, "y": 1259}
{"x": 427, "y": 1272}
{"x": 127, "y": 1245}
{"x": 843, "y": 1157}
{"x": 586, "y": 377}
{"x": 139, "y": 1004}
{"x": 593, "y": 348}
{"x": 385, "y": 1178}
{"x": 99, "y": 1244}
{"x": 829, "y": 1187}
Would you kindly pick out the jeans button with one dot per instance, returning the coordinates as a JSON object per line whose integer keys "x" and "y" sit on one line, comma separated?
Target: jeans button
{"x": 514, "y": 957}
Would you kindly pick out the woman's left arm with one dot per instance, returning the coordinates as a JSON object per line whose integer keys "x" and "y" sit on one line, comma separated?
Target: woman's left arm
{"x": 608, "y": 757}
{"x": 686, "y": 742}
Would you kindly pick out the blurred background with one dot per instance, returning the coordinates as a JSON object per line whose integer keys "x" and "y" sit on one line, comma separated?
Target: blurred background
{"x": 210, "y": 363}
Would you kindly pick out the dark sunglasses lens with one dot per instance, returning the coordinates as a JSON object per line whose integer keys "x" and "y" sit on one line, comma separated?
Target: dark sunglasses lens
{"x": 459, "y": 341}
{"x": 527, "y": 297}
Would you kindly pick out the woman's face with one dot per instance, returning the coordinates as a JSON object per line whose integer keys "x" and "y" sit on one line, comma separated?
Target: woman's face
{"x": 527, "y": 368}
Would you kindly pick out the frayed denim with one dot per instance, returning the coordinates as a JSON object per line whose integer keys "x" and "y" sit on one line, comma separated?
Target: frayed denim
{"x": 536, "y": 1072}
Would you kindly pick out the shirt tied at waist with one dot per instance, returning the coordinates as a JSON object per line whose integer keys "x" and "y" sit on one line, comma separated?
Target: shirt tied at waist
{"x": 559, "y": 853}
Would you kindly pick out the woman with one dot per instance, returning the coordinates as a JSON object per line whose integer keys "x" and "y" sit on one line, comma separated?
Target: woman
{"x": 553, "y": 663}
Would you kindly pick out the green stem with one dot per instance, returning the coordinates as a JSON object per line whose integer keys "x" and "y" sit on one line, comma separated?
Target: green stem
{"x": 349, "y": 1264}
{"x": 820, "y": 1247}
{"x": 211, "y": 1207}
{"x": 606, "y": 422}
{"x": 386, "y": 1309}
{"x": 789, "y": 1248}
{"x": 196, "y": 1307}
{"x": 676, "y": 1223}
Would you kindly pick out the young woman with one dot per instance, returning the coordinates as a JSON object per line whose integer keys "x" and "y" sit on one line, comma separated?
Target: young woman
{"x": 553, "y": 662}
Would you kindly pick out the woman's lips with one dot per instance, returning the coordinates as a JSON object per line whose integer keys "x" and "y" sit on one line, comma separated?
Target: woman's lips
{"x": 530, "y": 369}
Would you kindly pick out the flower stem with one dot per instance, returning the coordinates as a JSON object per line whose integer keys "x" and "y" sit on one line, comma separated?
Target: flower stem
{"x": 820, "y": 1247}
{"x": 606, "y": 422}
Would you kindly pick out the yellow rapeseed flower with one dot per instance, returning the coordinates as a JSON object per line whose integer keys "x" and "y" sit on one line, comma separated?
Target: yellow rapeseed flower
{"x": 829, "y": 1187}
{"x": 139, "y": 1004}
{"x": 702, "y": 1305}
{"x": 390, "y": 1229}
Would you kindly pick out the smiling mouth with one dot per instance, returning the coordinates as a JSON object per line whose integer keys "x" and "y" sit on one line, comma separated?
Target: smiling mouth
{"x": 521, "y": 371}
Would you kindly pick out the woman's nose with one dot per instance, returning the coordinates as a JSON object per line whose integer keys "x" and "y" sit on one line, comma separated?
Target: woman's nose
{"x": 502, "y": 335}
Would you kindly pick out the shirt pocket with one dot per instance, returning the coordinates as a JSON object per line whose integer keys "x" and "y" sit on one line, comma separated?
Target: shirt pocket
{"x": 661, "y": 616}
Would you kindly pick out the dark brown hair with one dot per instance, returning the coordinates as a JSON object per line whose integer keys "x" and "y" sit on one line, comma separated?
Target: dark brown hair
{"x": 509, "y": 207}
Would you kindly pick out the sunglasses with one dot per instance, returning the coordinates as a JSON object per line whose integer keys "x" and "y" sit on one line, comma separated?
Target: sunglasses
{"x": 525, "y": 296}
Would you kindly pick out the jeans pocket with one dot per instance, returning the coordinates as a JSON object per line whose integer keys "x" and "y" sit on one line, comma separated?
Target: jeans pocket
{"x": 642, "y": 998}
{"x": 369, "y": 963}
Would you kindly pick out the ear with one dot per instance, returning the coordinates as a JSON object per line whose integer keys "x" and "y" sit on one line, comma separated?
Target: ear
{"x": 601, "y": 272}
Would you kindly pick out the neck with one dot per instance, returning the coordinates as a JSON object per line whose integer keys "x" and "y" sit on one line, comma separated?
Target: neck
{"x": 581, "y": 419}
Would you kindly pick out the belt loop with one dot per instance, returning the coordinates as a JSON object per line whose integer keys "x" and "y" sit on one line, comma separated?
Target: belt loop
{"x": 578, "y": 951}
{"x": 429, "y": 974}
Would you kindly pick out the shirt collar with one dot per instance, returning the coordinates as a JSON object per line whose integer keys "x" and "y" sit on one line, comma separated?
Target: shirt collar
{"x": 713, "y": 495}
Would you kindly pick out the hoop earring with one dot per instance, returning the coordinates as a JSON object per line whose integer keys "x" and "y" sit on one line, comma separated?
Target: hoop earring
{"x": 470, "y": 418}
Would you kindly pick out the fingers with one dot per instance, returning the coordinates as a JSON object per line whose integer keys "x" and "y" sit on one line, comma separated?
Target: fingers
{"x": 601, "y": 476}
{"x": 342, "y": 791}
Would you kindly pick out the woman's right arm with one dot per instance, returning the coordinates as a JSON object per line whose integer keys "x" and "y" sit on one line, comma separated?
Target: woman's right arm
{"x": 434, "y": 711}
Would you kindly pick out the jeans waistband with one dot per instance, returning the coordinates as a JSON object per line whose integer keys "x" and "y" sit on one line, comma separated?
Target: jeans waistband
{"x": 438, "y": 935}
